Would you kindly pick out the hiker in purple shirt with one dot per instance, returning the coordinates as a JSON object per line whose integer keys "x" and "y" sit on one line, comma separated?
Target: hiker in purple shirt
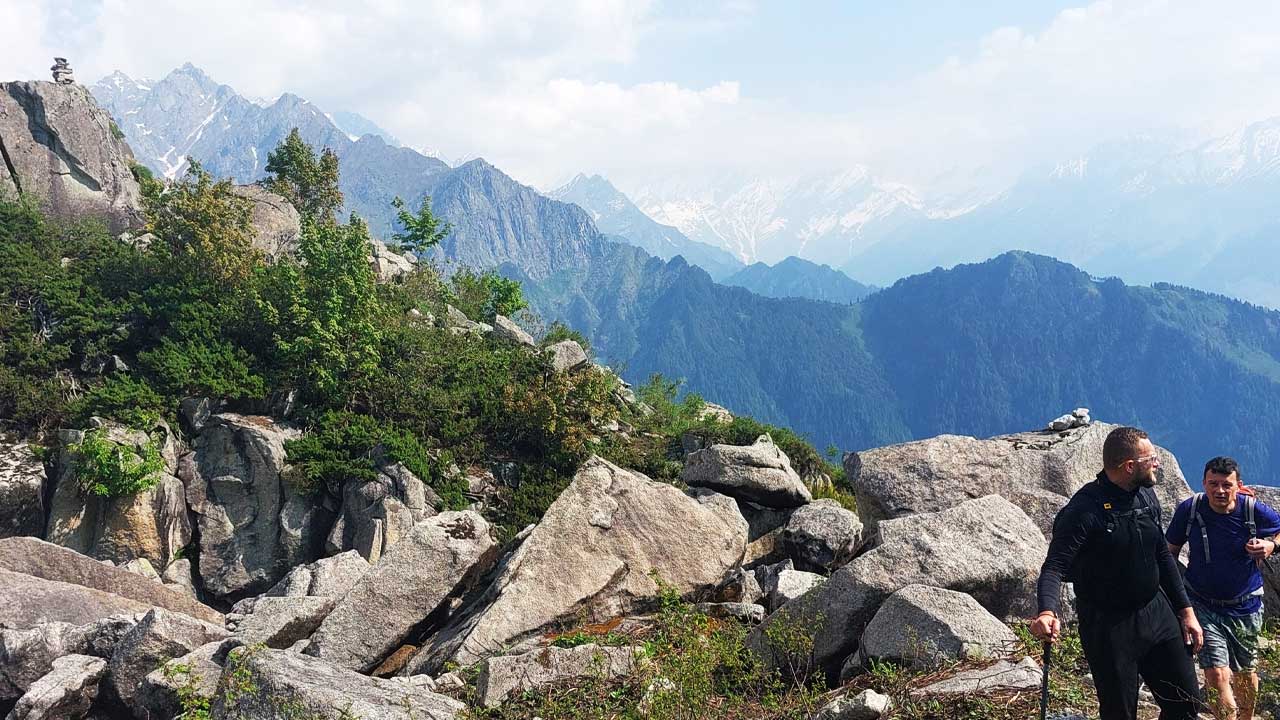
{"x": 1231, "y": 534}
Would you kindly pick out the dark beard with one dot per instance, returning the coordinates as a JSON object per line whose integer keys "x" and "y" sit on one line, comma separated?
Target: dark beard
{"x": 1151, "y": 478}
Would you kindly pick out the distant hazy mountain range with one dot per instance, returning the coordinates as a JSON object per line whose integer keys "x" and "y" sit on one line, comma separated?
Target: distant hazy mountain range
{"x": 980, "y": 349}
{"x": 1146, "y": 209}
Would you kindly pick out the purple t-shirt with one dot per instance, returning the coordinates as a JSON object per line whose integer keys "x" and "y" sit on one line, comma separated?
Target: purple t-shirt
{"x": 1230, "y": 573}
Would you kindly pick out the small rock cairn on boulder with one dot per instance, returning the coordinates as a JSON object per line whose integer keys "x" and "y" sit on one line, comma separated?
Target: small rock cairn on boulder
{"x": 1074, "y": 419}
{"x": 62, "y": 73}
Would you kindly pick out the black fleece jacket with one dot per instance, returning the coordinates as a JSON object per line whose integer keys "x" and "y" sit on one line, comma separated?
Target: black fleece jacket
{"x": 1110, "y": 543}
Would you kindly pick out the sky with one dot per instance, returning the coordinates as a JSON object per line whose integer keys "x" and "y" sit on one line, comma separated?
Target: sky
{"x": 921, "y": 92}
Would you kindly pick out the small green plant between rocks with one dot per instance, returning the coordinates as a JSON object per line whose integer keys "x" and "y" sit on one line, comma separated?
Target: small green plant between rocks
{"x": 107, "y": 469}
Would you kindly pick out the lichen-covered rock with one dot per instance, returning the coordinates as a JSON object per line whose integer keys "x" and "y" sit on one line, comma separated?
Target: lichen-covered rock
{"x": 822, "y": 536}
{"x": 66, "y": 693}
{"x": 125, "y": 592}
{"x": 151, "y": 524}
{"x": 276, "y": 224}
{"x": 866, "y": 705}
{"x": 22, "y": 485}
{"x": 280, "y": 685}
{"x": 26, "y": 655}
{"x": 782, "y": 583}
{"x": 388, "y": 264}
{"x": 195, "y": 674}
{"x": 441, "y": 557}
{"x": 159, "y": 637}
{"x": 924, "y": 626}
{"x": 1037, "y": 471}
{"x": 1271, "y": 568}
{"x": 503, "y": 676}
{"x": 59, "y": 148}
{"x": 759, "y": 473}
{"x": 376, "y": 513}
{"x": 594, "y": 556}
{"x": 1002, "y": 675}
{"x": 279, "y": 622}
{"x": 566, "y": 355}
{"x": 987, "y": 548}
{"x": 331, "y": 577}
{"x": 505, "y": 329}
{"x": 254, "y": 526}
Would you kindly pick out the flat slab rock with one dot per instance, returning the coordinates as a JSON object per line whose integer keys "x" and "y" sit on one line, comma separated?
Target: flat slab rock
{"x": 1003, "y": 675}
{"x": 501, "y": 677}
{"x": 41, "y": 559}
{"x": 281, "y": 685}
{"x": 759, "y": 473}
{"x": 68, "y": 691}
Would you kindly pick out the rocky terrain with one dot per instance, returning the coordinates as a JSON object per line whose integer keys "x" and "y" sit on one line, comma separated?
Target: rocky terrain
{"x": 224, "y": 583}
{"x": 673, "y": 574}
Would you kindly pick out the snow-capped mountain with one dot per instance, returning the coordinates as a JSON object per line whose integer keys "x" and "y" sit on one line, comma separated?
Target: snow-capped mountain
{"x": 1146, "y": 208}
{"x": 825, "y": 218}
{"x": 188, "y": 114}
{"x": 616, "y": 215}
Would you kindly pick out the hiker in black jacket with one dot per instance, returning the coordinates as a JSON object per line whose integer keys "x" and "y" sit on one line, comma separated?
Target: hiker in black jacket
{"x": 1135, "y": 617}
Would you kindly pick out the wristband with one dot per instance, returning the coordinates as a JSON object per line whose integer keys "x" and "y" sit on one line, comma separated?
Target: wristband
{"x": 1046, "y": 612}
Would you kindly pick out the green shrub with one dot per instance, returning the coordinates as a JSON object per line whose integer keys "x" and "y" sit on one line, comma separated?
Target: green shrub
{"x": 341, "y": 447}
{"x": 559, "y": 332}
{"x": 107, "y": 469}
{"x": 123, "y": 398}
{"x": 483, "y": 295}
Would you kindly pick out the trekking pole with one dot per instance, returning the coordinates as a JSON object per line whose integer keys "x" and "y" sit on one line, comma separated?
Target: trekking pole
{"x": 1044, "y": 681}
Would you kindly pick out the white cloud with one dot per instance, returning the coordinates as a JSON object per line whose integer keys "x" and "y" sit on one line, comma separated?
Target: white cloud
{"x": 531, "y": 84}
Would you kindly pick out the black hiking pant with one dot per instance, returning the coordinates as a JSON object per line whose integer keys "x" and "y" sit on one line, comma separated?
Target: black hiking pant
{"x": 1147, "y": 643}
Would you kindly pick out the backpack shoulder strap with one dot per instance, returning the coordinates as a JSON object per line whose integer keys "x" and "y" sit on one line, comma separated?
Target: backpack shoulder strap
{"x": 1194, "y": 517}
{"x": 1250, "y": 518}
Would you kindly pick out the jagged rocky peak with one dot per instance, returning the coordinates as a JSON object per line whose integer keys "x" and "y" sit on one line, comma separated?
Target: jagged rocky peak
{"x": 60, "y": 147}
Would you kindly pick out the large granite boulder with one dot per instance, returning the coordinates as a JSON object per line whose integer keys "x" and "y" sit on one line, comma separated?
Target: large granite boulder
{"x": 22, "y": 485}
{"x": 376, "y": 513}
{"x": 279, "y": 622}
{"x": 277, "y": 226}
{"x": 440, "y": 558}
{"x": 566, "y": 355}
{"x": 26, "y": 655}
{"x": 1037, "y": 471}
{"x": 759, "y": 473}
{"x": 1271, "y": 568}
{"x": 505, "y": 329}
{"x": 987, "y": 548}
{"x": 195, "y": 675}
{"x": 66, "y": 693}
{"x": 765, "y": 527}
{"x": 388, "y": 264}
{"x": 331, "y": 577}
{"x": 923, "y": 626}
{"x": 60, "y": 148}
{"x": 49, "y": 563}
{"x": 598, "y": 553}
{"x": 254, "y": 526}
{"x": 159, "y": 637}
{"x": 822, "y": 536}
{"x": 261, "y": 684}
{"x": 506, "y": 675}
{"x": 153, "y": 524}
